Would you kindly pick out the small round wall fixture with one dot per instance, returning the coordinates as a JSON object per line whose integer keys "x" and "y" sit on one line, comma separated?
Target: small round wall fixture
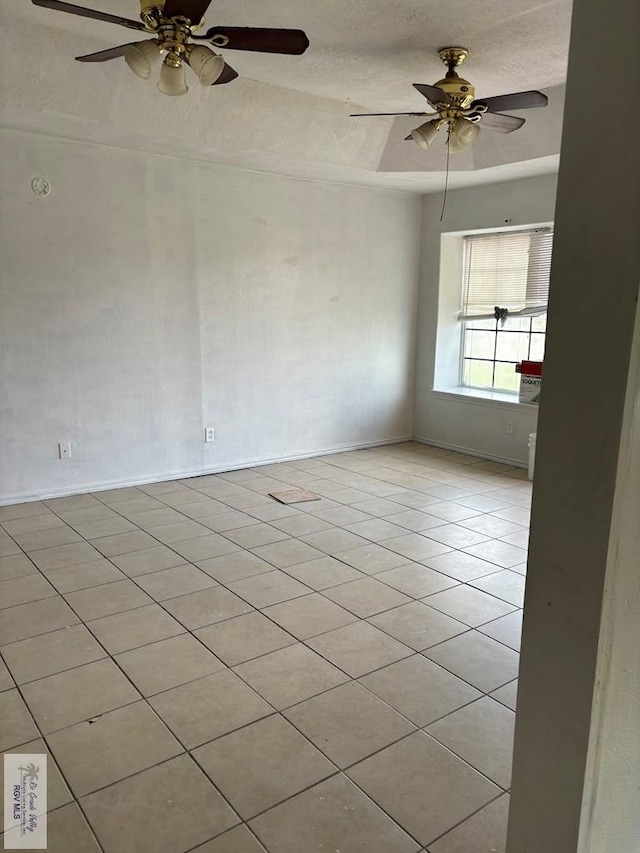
{"x": 41, "y": 186}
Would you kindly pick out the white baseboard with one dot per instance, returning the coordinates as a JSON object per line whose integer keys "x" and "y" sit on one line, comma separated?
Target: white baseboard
{"x": 183, "y": 475}
{"x": 517, "y": 463}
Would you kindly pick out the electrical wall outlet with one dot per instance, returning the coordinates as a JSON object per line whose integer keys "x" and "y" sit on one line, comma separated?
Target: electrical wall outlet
{"x": 509, "y": 427}
{"x": 64, "y": 450}
{"x": 209, "y": 434}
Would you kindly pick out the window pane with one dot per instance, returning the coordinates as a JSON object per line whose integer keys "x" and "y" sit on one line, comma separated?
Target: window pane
{"x": 539, "y": 323}
{"x": 516, "y": 324}
{"x": 489, "y": 325}
{"x": 506, "y": 378}
{"x": 479, "y": 344}
{"x": 478, "y": 374}
{"x": 512, "y": 346}
{"x": 537, "y": 347}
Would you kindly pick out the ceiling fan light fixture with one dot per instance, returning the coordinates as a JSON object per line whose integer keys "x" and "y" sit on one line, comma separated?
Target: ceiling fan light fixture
{"x": 206, "y": 64}
{"x": 172, "y": 76}
{"x": 462, "y": 134}
{"x": 142, "y": 56}
{"x": 426, "y": 133}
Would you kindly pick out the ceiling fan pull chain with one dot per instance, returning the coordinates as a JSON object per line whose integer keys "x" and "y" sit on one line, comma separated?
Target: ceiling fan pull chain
{"x": 446, "y": 177}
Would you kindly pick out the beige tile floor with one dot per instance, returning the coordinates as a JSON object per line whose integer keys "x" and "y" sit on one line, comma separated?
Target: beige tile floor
{"x": 210, "y": 670}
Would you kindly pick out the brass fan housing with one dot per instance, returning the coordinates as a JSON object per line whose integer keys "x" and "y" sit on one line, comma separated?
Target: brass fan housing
{"x": 151, "y": 12}
{"x": 173, "y": 33}
{"x": 453, "y": 56}
{"x": 461, "y": 91}
{"x": 152, "y": 15}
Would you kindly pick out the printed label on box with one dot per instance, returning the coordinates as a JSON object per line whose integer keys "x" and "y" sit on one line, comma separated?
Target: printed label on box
{"x": 530, "y": 388}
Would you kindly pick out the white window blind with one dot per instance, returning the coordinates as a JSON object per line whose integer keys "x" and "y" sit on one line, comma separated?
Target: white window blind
{"x": 506, "y": 270}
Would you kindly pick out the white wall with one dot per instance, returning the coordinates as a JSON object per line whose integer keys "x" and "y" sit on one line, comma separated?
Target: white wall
{"x": 472, "y": 425}
{"x": 610, "y": 814}
{"x": 148, "y": 296}
{"x": 576, "y": 769}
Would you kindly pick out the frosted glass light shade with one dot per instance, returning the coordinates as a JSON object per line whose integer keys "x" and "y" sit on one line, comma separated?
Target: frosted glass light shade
{"x": 142, "y": 56}
{"x": 172, "y": 80}
{"x": 206, "y": 64}
{"x": 462, "y": 134}
{"x": 425, "y": 134}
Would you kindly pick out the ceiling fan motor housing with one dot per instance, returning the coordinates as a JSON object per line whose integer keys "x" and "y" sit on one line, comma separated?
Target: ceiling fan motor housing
{"x": 151, "y": 12}
{"x": 460, "y": 91}
{"x": 147, "y": 5}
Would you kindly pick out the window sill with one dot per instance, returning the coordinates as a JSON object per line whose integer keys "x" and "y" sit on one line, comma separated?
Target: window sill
{"x": 478, "y": 397}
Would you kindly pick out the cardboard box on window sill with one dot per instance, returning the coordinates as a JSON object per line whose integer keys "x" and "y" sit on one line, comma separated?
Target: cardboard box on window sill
{"x": 530, "y": 381}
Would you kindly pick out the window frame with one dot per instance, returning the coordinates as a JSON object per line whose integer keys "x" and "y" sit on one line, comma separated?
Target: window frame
{"x": 445, "y": 375}
{"x": 467, "y": 321}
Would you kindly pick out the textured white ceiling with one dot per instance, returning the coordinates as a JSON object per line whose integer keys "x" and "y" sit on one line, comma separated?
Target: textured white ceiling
{"x": 363, "y": 53}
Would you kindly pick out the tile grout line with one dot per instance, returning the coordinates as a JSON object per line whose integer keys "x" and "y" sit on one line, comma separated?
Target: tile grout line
{"x": 362, "y": 619}
{"x": 257, "y": 609}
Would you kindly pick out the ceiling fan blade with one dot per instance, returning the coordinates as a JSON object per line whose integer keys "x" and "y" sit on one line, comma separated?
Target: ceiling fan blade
{"x": 500, "y": 122}
{"x": 192, "y": 9}
{"x": 354, "y": 115}
{"x": 228, "y": 74}
{"x": 516, "y": 101}
{"x": 89, "y": 13}
{"x": 104, "y": 55}
{"x": 256, "y": 38}
{"x": 433, "y": 94}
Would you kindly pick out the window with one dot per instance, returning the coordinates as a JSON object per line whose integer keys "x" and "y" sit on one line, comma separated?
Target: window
{"x": 504, "y": 304}
{"x": 492, "y": 350}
